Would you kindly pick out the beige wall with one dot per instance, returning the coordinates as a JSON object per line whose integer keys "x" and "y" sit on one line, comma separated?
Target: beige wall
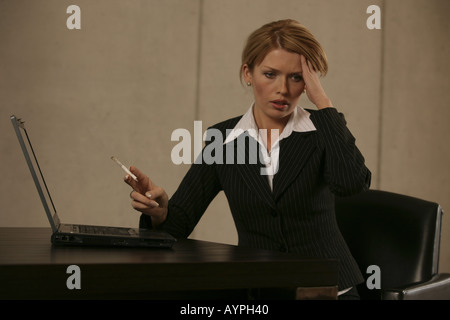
{"x": 414, "y": 157}
{"x": 137, "y": 70}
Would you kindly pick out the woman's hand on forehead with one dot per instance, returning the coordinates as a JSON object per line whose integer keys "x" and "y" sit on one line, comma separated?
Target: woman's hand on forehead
{"x": 314, "y": 90}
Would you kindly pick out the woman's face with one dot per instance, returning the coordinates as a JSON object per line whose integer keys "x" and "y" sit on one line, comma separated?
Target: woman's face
{"x": 277, "y": 86}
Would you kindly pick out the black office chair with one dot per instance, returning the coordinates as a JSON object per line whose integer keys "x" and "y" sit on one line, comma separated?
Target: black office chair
{"x": 399, "y": 234}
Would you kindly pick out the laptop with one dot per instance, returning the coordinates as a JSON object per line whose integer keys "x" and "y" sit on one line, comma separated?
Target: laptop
{"x": 76, "y": 234}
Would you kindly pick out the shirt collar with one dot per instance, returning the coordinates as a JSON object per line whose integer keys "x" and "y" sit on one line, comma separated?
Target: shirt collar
{"x": 299, "y": 121}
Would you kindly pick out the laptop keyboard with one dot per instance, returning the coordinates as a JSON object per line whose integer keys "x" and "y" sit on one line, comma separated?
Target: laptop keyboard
{"x": 101, "y": 230}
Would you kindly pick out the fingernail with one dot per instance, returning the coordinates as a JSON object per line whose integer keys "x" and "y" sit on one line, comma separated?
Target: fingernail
{"x": 148, "y": 195}
{"x": 127, "y": 177}
{"x": 154, "y": 204}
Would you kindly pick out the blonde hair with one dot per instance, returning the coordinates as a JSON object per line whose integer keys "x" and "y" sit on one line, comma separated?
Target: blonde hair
{"x": 289, "y": 35}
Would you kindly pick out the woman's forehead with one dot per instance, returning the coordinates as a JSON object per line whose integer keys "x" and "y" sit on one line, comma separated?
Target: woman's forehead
{"x": 282, "y": 59}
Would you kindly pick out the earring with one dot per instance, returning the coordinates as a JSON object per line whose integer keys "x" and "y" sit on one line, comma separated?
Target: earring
{"x": 249, "y": 84}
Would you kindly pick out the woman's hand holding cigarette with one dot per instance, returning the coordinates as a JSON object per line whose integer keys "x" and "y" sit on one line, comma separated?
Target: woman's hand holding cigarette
{"x": 148, "y": 198}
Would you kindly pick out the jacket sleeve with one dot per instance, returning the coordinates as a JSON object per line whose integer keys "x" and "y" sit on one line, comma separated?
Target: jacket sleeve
{"x": 189, "y": 202}
{"x": 345, "y": 169}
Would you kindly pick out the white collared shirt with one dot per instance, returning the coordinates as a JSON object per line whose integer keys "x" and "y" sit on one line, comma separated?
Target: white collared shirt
{"x": 299, "y": 121}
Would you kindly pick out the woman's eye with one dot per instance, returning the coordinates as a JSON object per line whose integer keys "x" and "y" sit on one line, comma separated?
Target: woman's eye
{"x": 297, "y": 77}
{"x": 269, "y": 75}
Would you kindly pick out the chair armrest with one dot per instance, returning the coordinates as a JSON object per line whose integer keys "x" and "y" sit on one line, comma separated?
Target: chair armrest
{"x": 437, "y": 288}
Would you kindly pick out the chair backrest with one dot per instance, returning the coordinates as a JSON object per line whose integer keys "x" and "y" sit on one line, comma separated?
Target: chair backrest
{"x": 399, "y": 234}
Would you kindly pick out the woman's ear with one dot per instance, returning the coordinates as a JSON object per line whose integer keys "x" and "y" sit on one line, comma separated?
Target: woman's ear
{"x": 247, "y": 74}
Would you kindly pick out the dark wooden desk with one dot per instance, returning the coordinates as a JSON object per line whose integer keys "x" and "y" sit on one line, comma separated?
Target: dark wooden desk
{"x": 32, "y": 268}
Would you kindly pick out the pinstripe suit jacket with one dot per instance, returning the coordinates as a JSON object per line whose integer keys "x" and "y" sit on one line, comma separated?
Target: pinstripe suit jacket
{"x": 298, "y": 215}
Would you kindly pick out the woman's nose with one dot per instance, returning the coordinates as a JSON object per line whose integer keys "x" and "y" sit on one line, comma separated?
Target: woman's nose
{"x": 283, "y": 87}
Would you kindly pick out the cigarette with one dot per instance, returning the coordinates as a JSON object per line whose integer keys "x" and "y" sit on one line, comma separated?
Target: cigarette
{"x": 125, "y": 169}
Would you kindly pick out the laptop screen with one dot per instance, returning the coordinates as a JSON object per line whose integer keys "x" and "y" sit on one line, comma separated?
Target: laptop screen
{"x": 36, "y": 172}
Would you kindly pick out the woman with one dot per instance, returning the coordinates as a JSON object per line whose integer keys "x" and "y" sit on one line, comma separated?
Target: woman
{"x": 310, "y": 156}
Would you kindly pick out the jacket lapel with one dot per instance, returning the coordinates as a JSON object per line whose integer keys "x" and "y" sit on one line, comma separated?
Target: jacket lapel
{"x": 294, "y": 154}
{"x": 251, "y": 171}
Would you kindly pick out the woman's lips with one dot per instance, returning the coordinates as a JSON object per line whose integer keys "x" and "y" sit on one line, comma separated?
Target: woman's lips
{"x": 280, "y": 104}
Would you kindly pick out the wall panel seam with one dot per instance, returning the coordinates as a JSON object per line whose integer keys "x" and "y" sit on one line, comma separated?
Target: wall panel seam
{"x": 381, "y": 95}
{"x": 199, "y": 61}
